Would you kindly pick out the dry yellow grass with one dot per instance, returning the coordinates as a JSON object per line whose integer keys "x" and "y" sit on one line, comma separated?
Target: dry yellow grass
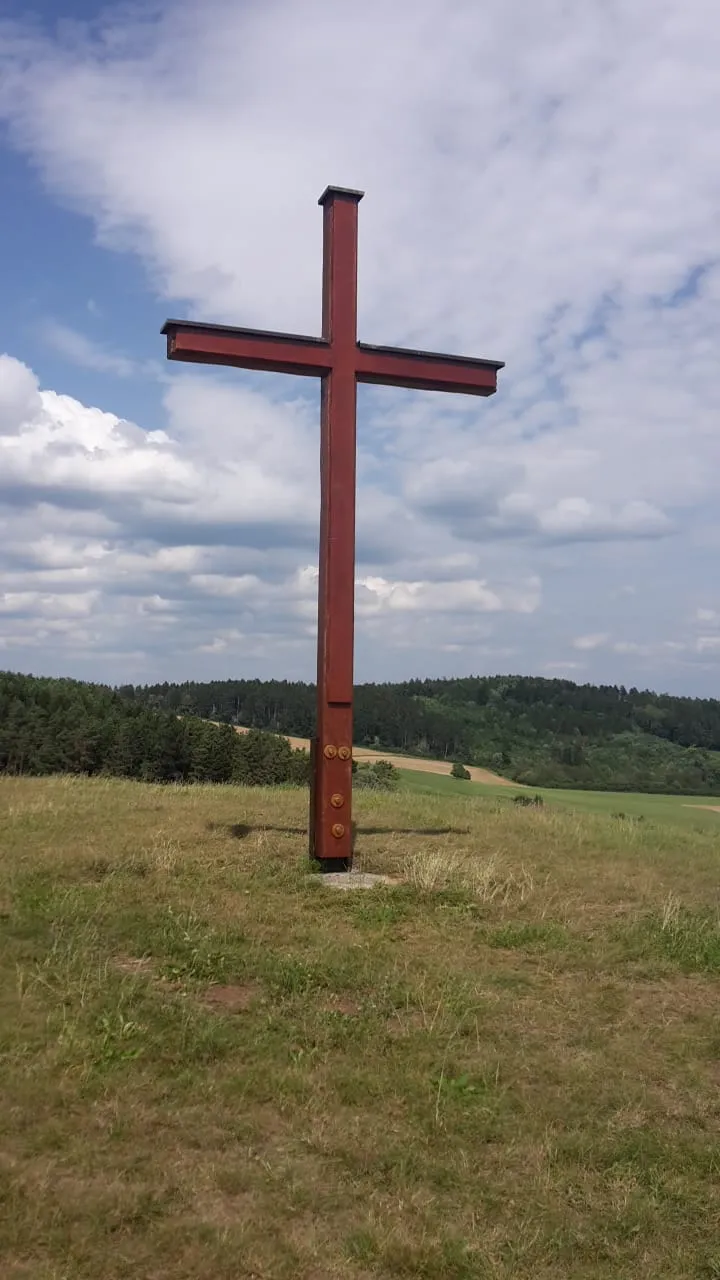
{"x": 214, "y": 1068}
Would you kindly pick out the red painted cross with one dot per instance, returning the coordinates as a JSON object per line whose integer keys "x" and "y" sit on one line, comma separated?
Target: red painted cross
{"x": 340, "y": 361}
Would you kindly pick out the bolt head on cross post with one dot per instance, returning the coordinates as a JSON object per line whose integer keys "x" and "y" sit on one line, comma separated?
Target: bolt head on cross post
{"x": 341, "y": 362}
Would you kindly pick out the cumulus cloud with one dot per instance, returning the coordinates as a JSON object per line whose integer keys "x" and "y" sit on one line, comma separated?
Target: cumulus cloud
{"x": 20, "y": 400}
{"x": 461, "y": 596}
{"x": 87, "y": 503}
{"x": 56, "y": 450}
{"x": 558, "y": 211}
{"x": 481, "y": 502}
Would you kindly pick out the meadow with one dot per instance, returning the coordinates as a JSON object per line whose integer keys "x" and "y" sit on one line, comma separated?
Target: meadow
{"x": 700, "y": 813}
{"x": 506, "y": 1063}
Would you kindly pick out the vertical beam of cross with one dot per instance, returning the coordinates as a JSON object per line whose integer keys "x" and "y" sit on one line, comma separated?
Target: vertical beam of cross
{"x": 340, "y": 361}
{"x": 331, "y": 801}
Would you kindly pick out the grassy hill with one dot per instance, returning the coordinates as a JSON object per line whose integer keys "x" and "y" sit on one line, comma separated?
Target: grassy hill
{"x": 549, "y": 733}
{"x": 504, "y": 1065}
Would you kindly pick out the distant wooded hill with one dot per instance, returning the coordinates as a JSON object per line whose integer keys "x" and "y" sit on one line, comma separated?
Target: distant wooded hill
{"x": 64, "y": 726}
{"x": 541, "y": 732}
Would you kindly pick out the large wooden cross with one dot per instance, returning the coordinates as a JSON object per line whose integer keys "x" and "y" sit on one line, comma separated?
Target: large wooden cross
{"x": 340, "y": 361}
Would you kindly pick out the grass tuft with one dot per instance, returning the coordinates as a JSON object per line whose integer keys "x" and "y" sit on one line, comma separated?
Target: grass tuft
{"x": 484, "y": 878}
{"x": 686, "y": 938}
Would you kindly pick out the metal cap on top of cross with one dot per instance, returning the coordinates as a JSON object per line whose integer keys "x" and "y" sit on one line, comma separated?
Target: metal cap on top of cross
{"x": 340, "y": 361}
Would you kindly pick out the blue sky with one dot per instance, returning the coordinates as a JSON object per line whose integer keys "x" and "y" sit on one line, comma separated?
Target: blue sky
{"x": 541, "y": 188}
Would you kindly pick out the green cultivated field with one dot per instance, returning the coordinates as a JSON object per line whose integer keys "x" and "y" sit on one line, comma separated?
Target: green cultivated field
{"x": 505, "y": 1065}
{"x": 688, "y": 811}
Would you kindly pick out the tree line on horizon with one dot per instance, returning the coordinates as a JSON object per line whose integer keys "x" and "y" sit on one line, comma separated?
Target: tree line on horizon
{"x": 540, "y": 732}
{"x": 52, "y": 726}
{"x": 549, "y": 733}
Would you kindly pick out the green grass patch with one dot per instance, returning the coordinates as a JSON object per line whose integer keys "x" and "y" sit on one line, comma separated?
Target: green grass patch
{"x": 420, "y": 783}
{"x": 542, "y": 935}
{"x": 691, "y": 812}
{"x": 688, "y": 939}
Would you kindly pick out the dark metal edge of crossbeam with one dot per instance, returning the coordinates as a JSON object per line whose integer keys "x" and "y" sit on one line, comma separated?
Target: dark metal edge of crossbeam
{"x": 231, "y": 331}
{"x": 406, "y": 353}
{"x": 348, "y": 192}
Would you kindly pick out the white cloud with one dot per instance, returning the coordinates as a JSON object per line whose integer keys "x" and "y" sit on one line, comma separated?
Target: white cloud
{"x": 33, "y": 603}
{"x": 90, "y": 501}
{"x": 591, "y": 642}
{"x": 461, "y": 596}
{"x": 57, "y": 449}
{"x": 218, "y": 645}
{"x": 54, "y": 445}
{"x": 576, "y": 517}
{"x": 20, "y": 400}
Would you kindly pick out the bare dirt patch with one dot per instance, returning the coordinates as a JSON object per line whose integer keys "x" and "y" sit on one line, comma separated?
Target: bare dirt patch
{"x": 341, "y": 1004}
{"x": 404, "y": 1022}
{"x": 233, "y": 997}
{"x": 365, "y": 756}
{"x": 713, "y": 808}
{"x": 223, "y": 1212}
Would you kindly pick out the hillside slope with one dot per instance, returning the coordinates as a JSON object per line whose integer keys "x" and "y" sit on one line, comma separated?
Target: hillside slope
{"x": 418, "y": 764}
{"x": 217, "y": 1066}
{"x": 545, "y": 733}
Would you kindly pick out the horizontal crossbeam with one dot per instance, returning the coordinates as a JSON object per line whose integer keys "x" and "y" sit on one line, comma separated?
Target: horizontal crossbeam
{"x": 247, "y": 348}
{"x": 313, "y": 357}
{"x": 426, "y": 371}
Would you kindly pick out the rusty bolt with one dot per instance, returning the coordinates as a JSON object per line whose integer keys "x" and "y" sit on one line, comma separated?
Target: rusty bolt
{"x": 330, "y": 753}
{"x": 344, "y": 753}
{"x": 337, "y": 801}
{"x": 338, "y": 830}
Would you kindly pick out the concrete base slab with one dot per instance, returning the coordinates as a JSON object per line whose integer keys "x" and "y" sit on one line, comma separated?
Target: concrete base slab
{"x": 354, "y": 880}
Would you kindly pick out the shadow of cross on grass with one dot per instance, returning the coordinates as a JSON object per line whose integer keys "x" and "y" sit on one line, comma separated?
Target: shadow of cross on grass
{"x": 239, "y": 830}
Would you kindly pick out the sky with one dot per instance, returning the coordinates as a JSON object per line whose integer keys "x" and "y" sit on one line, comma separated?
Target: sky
{"x": 542, "y": 187}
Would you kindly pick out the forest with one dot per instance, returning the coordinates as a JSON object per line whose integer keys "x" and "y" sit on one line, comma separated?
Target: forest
{"x": 544, "y": 733}
{"x": 64, "y": 726}
{"x": 550, "y": 733}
